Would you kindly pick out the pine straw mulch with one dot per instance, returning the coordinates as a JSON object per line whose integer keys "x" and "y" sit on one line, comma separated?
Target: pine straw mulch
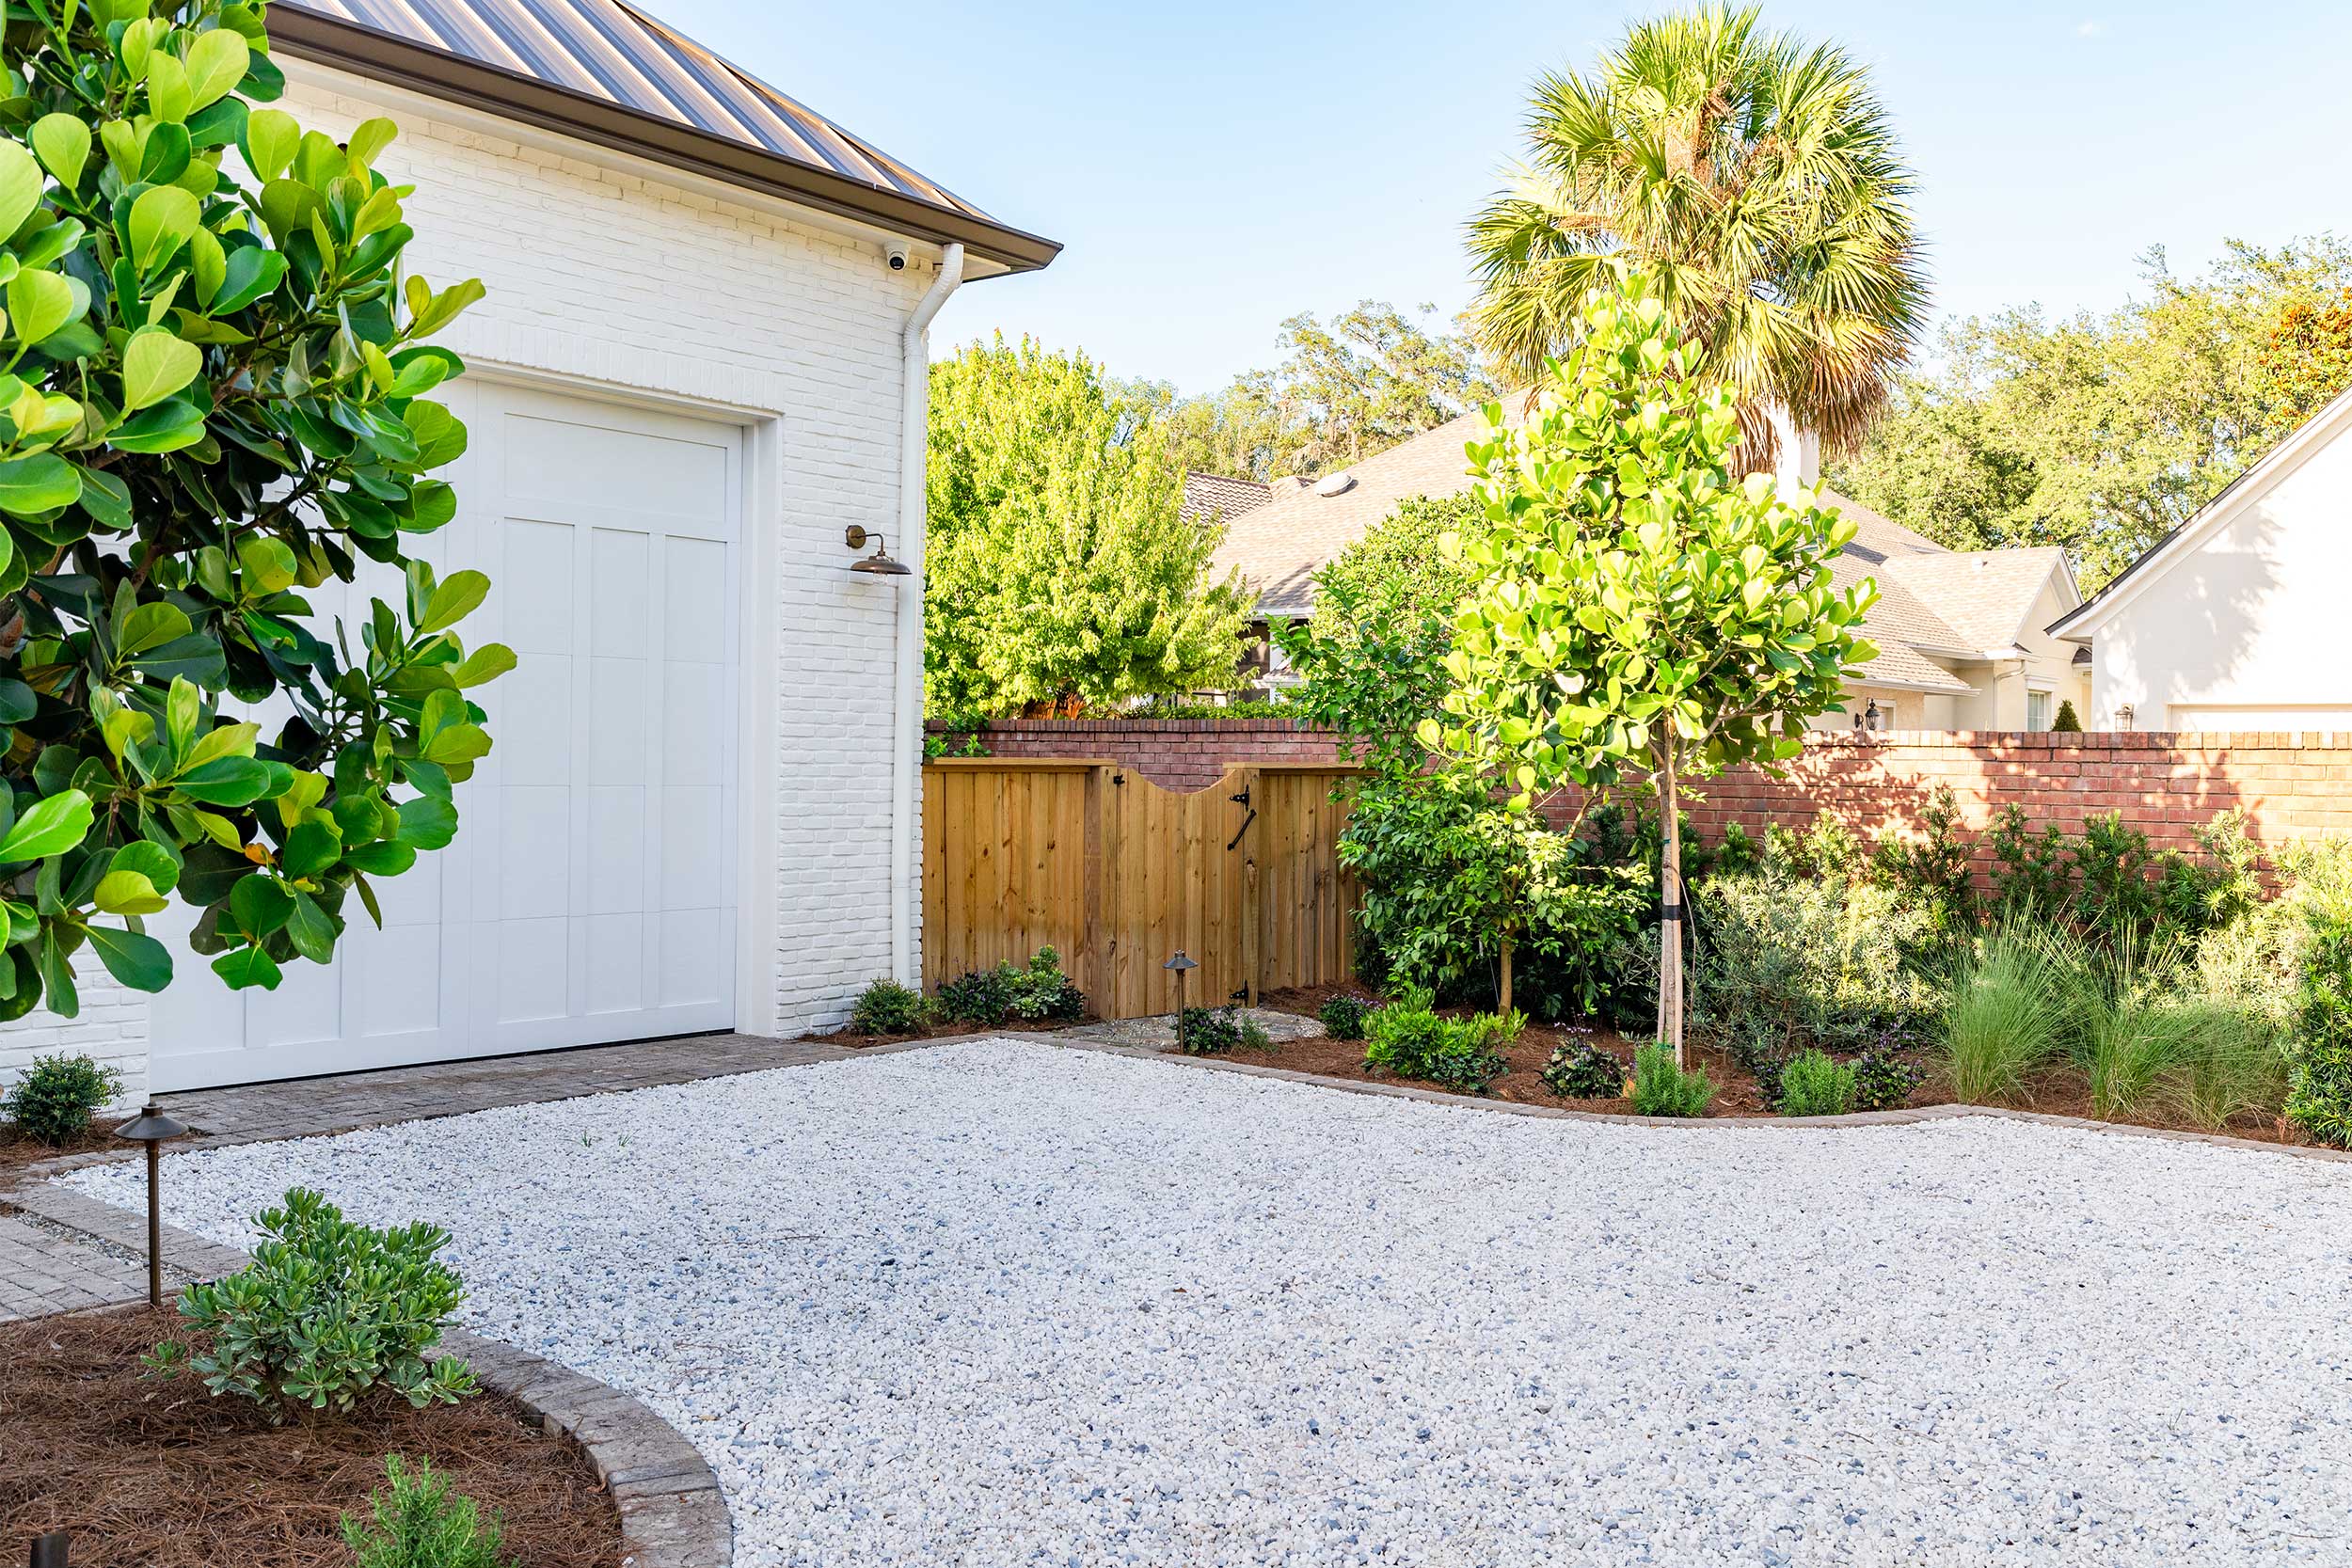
{"x": 19, "y": 1150}
{"x": 147, "y": 1474}
{"x": 2061, "y": 1091}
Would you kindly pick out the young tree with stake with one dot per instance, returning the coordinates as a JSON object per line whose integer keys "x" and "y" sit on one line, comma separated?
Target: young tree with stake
{"x": 1643, "y": 610}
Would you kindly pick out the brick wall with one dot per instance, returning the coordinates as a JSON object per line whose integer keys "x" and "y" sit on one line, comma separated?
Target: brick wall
{"x": 2289, "y": 783}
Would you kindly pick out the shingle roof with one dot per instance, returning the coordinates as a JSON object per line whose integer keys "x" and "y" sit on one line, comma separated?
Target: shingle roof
{"x": 1928, "y": 597}
{"x": 547, "y": 61}
{"x": 1208, "y": 496}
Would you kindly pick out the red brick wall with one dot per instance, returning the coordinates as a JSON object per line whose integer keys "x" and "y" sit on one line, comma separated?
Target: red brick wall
{"x": 2289, "y": 784}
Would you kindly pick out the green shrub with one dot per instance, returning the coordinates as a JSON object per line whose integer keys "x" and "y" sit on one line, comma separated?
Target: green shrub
{"x": 887, "y": 1007}
{"x": 1811, "y": 1085}
{"x": 2030, "y": 870}
{"x": 1037, "y": 993}
{"x": 1663, "y": 1089}
{"x": 420, "y": 1523}
{"x": 54, "y": 1097}
{"x": 2319, "y": 1096}
{"x": 2066, "y": 723}
{"x": 1207, "y": 1031}
{"x": 2007, "y": 1016}
{"x": 2237, "y": 1069}
{"x": 1785, "y": 961}
{"x": 1933, "y": 873}
{"x": 1883, "y": 1078}
{"x": 1584, "y": 1071}
{"x": 2133, "y": 1035}
{"x": 1253, "y": 1036}
{"x": 1343, "y": 1016}
{"x": 1410, "y": 1039}
{"x": 328, "y": 1310}
{"x": 2114, "y": 875}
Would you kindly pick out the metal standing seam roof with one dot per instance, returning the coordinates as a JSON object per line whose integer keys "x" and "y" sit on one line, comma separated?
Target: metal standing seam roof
{"x": 609, "y": 55}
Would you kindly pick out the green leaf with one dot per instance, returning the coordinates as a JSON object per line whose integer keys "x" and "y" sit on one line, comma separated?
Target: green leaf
{"x": 369, "y": 139}
{"x": 387, "y": 858}
{"x": 167, "y": 95}
{"x": 20, "y": 186}
{"x": 311, "y": 929}
{"x": 458, "y": 595}
{"x": 457, "y": 744}
{"x": 62, "y": 143}
{"x": 427, "y": 822}
{"x": 227, "y": 781}
{"x": 483, "y": 666}
{"x": 42, "y": 482}
{"x": 216, "y": 63}
{"x": 270, "y": 138}
{"x": 162, "y": 218}
{"x": 56, "y": 975}
{"x": 251, "y": 272}
{"x": 260, "y": 904}
{"x": 151, "y": 626}
{"x": 151, "y": 860}
{"x": 136, "y": 961}
{"x": 18, "y": 701}
{"x": 155, "y": 364}
{"x": 49, "y": 827}
{"x": 246, "y": 967}
{"x": 311, "y": 849}
{"x": 41, "y": 302}
{"x": 128, "y": 892}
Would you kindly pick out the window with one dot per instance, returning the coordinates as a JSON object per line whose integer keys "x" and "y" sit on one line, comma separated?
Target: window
{"x": 2037, "y": 710}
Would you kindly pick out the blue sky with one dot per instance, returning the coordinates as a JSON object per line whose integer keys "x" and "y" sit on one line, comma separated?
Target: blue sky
{"x": 1214, "y": 167}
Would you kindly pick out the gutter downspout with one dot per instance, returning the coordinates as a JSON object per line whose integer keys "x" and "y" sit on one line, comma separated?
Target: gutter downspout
{"x": 907, "y": 762}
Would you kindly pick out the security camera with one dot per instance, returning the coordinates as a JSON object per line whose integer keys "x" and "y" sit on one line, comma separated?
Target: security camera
{"x": 896, "y": 254}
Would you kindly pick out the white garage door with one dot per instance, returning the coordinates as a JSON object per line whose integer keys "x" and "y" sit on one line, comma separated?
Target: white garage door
{"x": 590, "y": 893}
{"x": 2223, "y": 717}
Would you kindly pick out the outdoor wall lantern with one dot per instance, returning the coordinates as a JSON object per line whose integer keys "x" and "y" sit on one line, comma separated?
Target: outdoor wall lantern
{"x": 152, "y": 1127}
{"x": 879, "y": 563}
{"x": 1870, "y": 715}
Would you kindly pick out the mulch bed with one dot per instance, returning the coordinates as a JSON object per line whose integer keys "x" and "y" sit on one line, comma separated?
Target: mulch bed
{"x": 2061, "y": 1091}
{"x": 147, "y": 1474}
{"x": 17, "y": 1150}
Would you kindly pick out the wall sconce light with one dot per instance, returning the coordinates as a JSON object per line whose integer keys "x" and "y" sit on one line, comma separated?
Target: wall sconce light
{"x": 2123, "y": 715}
{"x": 1870, "y": 715}
{"x": 879, "y": 563}
{"x": 152, "y": 1127}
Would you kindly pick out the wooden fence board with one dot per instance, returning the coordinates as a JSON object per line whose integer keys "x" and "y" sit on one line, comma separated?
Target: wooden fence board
{"x": 1117, "y": 873}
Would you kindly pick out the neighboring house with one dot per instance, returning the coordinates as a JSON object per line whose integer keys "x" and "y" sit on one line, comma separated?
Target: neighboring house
{"x": 1959, "y": 635}
{"x": 1210, "y": 497}
{"x": 700, "y": 359}
{"x": 2236, "y": 619}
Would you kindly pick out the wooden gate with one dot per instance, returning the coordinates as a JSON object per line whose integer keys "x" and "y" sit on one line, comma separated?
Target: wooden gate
{"x": 1117, "y": 873}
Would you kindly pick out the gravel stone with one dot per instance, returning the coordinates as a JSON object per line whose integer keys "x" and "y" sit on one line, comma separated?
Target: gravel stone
{"x": 1001, "y": 1302}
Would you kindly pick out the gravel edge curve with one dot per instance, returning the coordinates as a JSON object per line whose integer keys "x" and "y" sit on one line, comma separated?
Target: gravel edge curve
{"x": 672, "y": 1515}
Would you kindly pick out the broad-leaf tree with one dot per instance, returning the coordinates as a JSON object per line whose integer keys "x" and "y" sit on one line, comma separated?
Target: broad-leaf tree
{"x": 1644, "y": 611}
{"x": 1760, "y": 183}
{"x": 1060, "y": 573}
{"x": 213, "y": 399}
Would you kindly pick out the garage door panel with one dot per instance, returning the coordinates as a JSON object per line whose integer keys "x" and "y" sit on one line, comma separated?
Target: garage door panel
{"x": 592, "y": 899}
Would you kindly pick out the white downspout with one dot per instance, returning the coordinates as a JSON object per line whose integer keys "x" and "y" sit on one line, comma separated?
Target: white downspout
{"x": 907, "y": 765}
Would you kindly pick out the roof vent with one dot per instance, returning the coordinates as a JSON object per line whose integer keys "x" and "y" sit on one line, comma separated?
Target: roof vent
{"x": 1335, "y": 485}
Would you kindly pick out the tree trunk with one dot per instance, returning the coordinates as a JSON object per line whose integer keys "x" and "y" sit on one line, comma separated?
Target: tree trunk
{"x": 1503, "y": 986}
{"x": 1670, "y": 897}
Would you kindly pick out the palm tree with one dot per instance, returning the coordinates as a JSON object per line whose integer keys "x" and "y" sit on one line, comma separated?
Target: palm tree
{"x": 1755, "y": 179}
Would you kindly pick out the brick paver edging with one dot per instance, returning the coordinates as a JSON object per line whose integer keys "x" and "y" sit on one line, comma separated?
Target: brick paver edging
{"x": 1561, "y": 1112}
{"x": 672, "y": 1515}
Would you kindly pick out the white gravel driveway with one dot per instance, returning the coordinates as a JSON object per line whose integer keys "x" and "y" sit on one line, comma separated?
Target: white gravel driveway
{"x": 1006, "y": 1303}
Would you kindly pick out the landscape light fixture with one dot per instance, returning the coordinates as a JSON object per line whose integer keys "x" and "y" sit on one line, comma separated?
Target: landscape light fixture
{"x": 49, "y": 1550}
{"x": 1178, "y": 965}
{"x": 879, "y": 563}
{"x": 152, "y": 1127}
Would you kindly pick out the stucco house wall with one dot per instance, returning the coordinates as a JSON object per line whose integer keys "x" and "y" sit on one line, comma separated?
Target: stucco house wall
{"x": 2242, "y": 625}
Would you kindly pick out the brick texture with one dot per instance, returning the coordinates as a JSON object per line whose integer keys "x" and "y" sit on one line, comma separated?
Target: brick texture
{"x": 2290, "y": 783}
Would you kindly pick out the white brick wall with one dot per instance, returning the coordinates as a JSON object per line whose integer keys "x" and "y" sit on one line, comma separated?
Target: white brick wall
{"x": 601, "y": 274}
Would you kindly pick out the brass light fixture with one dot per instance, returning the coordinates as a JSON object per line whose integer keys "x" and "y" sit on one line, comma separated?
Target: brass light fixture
{"x": 879, "y": 563}
{"x": 152, "y": 1127}
{"x": 1178, "y": 965}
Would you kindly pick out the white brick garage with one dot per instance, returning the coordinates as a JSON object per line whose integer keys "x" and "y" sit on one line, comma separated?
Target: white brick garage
{"x": 639, "y": 320}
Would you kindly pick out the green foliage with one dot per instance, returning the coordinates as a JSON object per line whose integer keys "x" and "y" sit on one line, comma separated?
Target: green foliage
{"x": 1398, "y": 571}
{"x": 1584, "y": 1071}
{"x": 1060, "y": 570}
{"x": 1663, "y": 1089}
{"x": 55, "y": 1097}
{"x": 1932, "y": 872}
{"x": 328, "y": 1310}
{"x": 1788, "y": 960}
{"x": 2307, "y": 356}
{"x": 1883, "y": 1078}
{"x": 2007, "y": 1018}
{"x": 1038, "y": 992}
{"x": 1362, "y": 383}
{"x": 216, "y": 400}
{"x": 1756, "y": 176}
{"x": 1343, "y": 1016}
{"x": 887, "y": 1007}
{"x": 1812, "y": 1084}
{"x": 1253, "y": 1036}
{"x": 417, "y": 1522}
{"x": 2030, "y": 872}
{"x": 2320, "y": 1085}
{"x": 1410, "y": 1039}
{"x": 2102, "y": 432}
{"x": 1207, "y": 1031}
{"x": 2067, "y": 722}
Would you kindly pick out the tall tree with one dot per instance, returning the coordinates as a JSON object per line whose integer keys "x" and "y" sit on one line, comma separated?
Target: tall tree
{"x": 2100, "y": 433}
{"x": 1754, "y": 179}
{"x": 1643, "y": 609}
{"x": 1060, "y": 574}
{"x": 1370, "y": 378}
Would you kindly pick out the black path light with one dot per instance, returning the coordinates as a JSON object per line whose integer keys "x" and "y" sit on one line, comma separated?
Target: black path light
{"x": 152, "y": 1127}
{"x": 1178, "y": 965}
